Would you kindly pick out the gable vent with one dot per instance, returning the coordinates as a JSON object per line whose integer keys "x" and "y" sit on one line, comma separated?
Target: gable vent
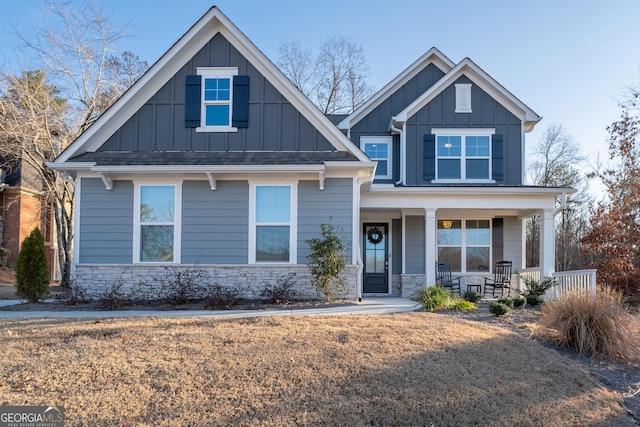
{"x": 463, "y": 98}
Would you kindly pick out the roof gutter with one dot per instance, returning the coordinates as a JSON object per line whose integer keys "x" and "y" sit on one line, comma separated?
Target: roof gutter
{"x": 403, "y": 148}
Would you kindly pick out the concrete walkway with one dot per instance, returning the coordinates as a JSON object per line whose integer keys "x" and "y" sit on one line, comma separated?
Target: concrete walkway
{"x": 367, "y": 306}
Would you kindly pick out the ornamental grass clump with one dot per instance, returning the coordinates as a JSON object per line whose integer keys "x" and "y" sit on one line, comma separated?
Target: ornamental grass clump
{"x": 439, "y": 298}
{"x": 593, "y": 324}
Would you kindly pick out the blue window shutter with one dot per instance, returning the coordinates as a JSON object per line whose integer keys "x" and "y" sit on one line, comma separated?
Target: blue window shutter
{"x": 240, "y": 113}
{"x": 497, "y": 158}
{"x": 193, "y": 103}
{"x": 429, "y": 166}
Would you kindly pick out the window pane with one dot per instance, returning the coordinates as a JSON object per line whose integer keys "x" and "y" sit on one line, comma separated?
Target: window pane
{"x": 216, "y": 89}
{"x": 478, "y": 233}
{"x": 448, "y": 169}
{"x": 156, "y": 243}
{"x": 453, "y": 256}
{"x": 449, "y": 232}
{"x": 478, "y": 259}
{"x": 477, "y": 146}
{"x": 449, "y": 146}
{"x": 382, "y": 168}
{"x": 272, "y": 243}
{"x": 217, "y": 115}
{"x": 273, "y": 204}
{"x": 477, "y": 169}
{"x": 157, "y": 203}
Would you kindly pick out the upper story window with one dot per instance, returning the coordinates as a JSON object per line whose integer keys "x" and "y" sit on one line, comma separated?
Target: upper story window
{"x": 217, "y": 98}
{"x": 156, "y": 223}
{"x": 379, "y": 149}
{"x": 463, "y": 154}
{"x": 463, "y": 98}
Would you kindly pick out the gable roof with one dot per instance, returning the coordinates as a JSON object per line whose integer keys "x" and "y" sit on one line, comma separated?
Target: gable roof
{"x": 432, "y": 56}
{"x": 483, "y": 80}
{"x": 211, "y": 23}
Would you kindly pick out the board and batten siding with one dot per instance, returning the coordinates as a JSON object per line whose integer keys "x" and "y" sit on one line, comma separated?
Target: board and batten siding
{"x": 513, "y": 242}
{"x": 106, "y": 222}
{"x": 486, "y": 113}
{"x": 333, "y": 205}
{"x": 396, "y": 246}
{"x": 414, "y": 238}
{"x": 215, "y": 224}
{"x": 274, "y": 124}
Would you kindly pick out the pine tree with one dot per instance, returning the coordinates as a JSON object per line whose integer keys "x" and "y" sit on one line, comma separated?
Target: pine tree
{"x": 32, "y": 277}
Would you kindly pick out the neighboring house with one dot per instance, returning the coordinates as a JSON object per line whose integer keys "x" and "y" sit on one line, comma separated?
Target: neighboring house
{"x": 23, "y": 209}
{"x": 214, "y": 158}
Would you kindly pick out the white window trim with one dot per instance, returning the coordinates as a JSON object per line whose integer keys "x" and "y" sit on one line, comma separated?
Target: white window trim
{"x": 381, "y": 140}
{"x": 463, "y": 98}
{"x": 463, "y": 245}
{"x": 177, "y": 219}
{"x": 293, "y": 219}
{"x": 216, "y": 72}
{"x": 464, "y": 133}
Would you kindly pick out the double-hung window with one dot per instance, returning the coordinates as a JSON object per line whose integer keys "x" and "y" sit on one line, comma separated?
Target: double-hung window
{"x": 156, "y": 223}
{"x": 217, "y": 96}
{"x": 273, "y": 223}
{"x": 379, "y": 149}
{"x": 463, "y": 155}
{"x": 465, "y": 244}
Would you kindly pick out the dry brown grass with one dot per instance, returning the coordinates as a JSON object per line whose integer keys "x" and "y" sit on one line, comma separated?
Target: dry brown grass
{"x": 402, "y": 370}
{"x": 594, "y": 325}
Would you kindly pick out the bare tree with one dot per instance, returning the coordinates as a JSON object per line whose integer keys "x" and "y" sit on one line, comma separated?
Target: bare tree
{"x": 335, "y": 80}
{"x": 43, "y": 111}
{"x": 556, "y": 160}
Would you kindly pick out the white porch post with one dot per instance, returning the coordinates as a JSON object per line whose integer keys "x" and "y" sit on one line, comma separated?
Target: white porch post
{"x": 430, "y": 246}
{"x": 547, "y": 243}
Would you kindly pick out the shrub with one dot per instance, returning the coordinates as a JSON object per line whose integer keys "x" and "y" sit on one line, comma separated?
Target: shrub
{"x": 221, "y": 297}
{"x": 506, "y": 301}
{"x": 518, "y": 302}
{"x": 498, "y": 308}
{"x": 463, "y": 305}
{"x": 534, "y": 299}
{"x": 537, "y": 288}
{"x": 472, "y": 296}
{"x": 184, "y": 286}
{"x": 4, "y": 256}
{"x": 594, "y": 324}
{"x": 327, "y": 261}
{"x": 281, "y": 293}
{"x": 114, "y": 297}
{"x": 434, "y": 298}
{"x": 32, "y": 275}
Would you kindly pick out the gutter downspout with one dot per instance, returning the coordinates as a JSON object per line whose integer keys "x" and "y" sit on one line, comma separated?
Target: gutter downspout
{"x": 403, "y": 149}
{"x": 358, "y": 249}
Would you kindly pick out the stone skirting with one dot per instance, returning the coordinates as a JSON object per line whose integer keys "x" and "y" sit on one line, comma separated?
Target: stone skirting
{"x": 152, "y": 282}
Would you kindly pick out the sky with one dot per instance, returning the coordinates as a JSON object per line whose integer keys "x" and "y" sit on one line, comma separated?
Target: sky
{"x": 569, "y": 61}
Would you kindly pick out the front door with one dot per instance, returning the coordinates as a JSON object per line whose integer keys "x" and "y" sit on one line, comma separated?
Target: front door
{"x": 376, "y": 266}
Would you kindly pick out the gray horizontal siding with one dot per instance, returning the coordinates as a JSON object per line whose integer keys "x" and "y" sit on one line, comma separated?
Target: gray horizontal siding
{"x": 215, "y": 224}
{"x": 333, "y": 205}
{"x": 106, "y": 222}
{"x": 415, "y": 244}
{"x": 274, "y": 124}
{"x": 486, "y": 113}
{"x": 513, "y": 242}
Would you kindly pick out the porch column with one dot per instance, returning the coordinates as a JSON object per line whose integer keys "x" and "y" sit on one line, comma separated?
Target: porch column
{"x": 430, "y": 247}
{"x": 547, "y": 243}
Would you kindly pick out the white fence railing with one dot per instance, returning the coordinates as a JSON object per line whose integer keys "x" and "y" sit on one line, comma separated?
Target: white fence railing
{"x": 576, "y": 280}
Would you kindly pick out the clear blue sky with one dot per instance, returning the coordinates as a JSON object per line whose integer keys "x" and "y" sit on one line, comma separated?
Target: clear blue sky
{"x": 568, "y": 60}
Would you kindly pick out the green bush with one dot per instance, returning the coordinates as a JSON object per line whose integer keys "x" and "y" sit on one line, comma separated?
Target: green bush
{"x": 534, "y": 299}
{"x": 518, "y": 302}
{"x": 463, "y": 305}
{"x": 506, "y": 301}
{"x": 498, "y": 308}
{"x": 434, "y": 298}
{"x": 327, "y": 261}
{"x": 32, "y": 275}
{"x": 472, "y": 296}
{"x": 537, "y": 288}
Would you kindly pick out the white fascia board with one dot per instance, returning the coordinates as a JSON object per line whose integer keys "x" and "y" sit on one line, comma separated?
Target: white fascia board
{"x": 212, "y": 23}
{"x": 489, "y": 190}
{"x": 483, "y": 81}
{"x": 185, "y": 169}
{"x": 77, "y": 166}
{"x": 432, "y": 56}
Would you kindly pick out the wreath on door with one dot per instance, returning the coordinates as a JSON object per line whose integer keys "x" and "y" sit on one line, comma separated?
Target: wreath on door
{"x": 374, "y": 235}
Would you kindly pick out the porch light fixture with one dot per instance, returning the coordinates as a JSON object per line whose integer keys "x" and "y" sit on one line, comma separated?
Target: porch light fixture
{"x": 447, "y": 224}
